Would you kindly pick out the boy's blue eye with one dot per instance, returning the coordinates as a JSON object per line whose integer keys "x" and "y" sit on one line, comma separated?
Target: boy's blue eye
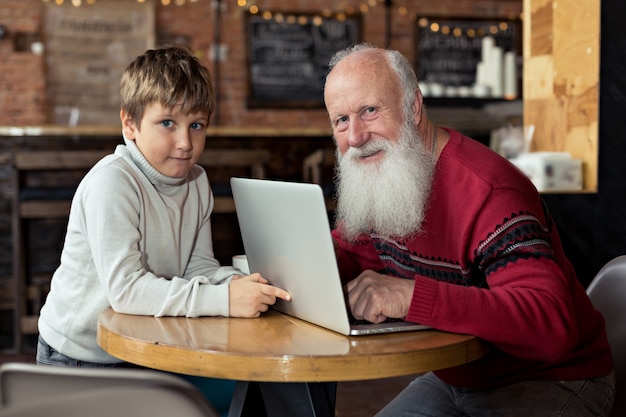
{"x": 166, "y": 123}
{"x": 196, "y": 126}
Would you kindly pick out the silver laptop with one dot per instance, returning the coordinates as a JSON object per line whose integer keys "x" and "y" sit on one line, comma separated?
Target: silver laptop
{"x": 286, "y": 237}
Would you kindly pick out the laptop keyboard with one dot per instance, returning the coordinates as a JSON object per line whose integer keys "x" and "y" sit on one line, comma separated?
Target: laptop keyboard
{"x": 355, "y": 321}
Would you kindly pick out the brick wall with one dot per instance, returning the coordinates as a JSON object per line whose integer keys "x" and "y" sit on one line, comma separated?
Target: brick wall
{"x": 22, "y": 85}
{"x": 22, "y": 76}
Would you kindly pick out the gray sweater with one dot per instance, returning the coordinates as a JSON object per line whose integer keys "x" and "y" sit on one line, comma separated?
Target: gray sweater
{"x": 137, "y": 241}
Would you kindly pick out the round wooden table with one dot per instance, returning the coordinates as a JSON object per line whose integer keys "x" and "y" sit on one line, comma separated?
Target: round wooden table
{"x": 277, "y": 348}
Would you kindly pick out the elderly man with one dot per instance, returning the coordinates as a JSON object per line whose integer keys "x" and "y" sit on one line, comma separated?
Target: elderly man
{"x": 436, "y": 228}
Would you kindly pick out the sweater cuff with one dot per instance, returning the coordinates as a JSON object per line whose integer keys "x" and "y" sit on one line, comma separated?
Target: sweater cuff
{"x": 215, "y": 300}
{"x": 423, "y": 302}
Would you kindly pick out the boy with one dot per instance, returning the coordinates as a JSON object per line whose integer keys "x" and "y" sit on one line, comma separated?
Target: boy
{"x": 139, "y": 234}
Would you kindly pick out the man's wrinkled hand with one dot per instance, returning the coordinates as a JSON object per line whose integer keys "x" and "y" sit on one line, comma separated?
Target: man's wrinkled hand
{"x": 375, "y": 297}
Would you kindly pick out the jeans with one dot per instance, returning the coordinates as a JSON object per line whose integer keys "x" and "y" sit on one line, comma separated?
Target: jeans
{"x": 428, "y": 396}
{"x": 47, "y": 355}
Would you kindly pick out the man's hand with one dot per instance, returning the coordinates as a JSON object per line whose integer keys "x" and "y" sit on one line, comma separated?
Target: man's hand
{"x": 251, "y": 295}
{"x": 375, "y": 297}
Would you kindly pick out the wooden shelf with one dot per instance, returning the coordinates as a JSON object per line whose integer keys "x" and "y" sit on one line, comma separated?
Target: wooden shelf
{"x": 213, "y": 131}
{"x": 562, "y": 79}
{"x": 463, "y": 101}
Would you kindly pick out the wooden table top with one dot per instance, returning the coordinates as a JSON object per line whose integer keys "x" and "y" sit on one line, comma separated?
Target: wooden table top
{"x": 277, "y": 348}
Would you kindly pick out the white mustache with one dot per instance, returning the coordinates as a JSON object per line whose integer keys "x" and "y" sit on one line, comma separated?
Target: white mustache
{"x": 367, "y": 149}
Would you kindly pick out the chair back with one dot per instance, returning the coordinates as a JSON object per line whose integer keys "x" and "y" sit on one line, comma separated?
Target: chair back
{"x": 26, "y": 389}
{"x": 607, "y": 292}
{"x": 318, "y": 168}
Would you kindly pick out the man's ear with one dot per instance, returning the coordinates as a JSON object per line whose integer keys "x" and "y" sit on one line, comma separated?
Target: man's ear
{"x": 418, "y": 106}
{"x": 128, "y": 125}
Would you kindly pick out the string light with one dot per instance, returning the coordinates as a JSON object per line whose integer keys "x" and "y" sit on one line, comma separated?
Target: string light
{"x": 347, "y": 10}
{"x": 444, "y": 27}
{"x": 252, "y": 8}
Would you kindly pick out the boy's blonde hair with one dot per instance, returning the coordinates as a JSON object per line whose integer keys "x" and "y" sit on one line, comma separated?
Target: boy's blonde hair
{"x": 170, "y": 76}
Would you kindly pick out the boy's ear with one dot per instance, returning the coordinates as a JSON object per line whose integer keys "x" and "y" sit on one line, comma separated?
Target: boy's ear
{"x": 128, "y": 125}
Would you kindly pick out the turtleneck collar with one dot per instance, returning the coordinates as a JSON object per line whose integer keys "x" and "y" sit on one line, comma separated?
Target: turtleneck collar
{"x": 155, "y": 176}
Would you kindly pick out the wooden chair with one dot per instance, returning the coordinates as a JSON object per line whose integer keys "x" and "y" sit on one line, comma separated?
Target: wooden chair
{"x": 317, "y": 168}
{"x": 56, "y": 175}
{"x": 231, "y": 162}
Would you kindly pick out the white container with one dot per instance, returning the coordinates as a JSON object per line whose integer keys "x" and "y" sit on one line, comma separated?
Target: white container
{"x": 551, "y": 171}
{"x": 510, "y": 76}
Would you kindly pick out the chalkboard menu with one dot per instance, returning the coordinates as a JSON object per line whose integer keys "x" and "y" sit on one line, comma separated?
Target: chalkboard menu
{"x": 87, "y": 50}
{"x": 449, "y": 50}
{"x": 288, "y": 60}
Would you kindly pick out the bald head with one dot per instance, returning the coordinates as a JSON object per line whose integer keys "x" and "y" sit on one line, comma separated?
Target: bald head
{"x": 362, "y": 79}
{"x": 367, "y": 57}
{"x": 364, "y": 63}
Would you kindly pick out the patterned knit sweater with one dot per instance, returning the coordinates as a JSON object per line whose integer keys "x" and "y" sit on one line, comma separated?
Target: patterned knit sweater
{"x": 490, "y": 263}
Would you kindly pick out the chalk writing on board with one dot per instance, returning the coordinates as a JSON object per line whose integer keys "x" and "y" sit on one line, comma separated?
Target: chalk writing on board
{"x": 288, "y": 62}
{"x": 448, "y": 50}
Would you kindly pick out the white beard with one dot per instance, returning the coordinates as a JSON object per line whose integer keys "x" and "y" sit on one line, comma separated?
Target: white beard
{"x": 388, "y": 197}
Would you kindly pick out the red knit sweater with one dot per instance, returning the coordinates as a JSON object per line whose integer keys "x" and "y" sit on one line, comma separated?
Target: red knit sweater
{"x": 490, "y": 263}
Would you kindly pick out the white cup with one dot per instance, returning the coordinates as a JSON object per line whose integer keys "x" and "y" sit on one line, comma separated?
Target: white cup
{"x": 240, "y": 262}
{"x": 436, "y": 90}
{"x": 481, "y": 90}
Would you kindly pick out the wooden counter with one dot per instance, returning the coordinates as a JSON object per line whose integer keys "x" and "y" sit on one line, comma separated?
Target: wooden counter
{"x": 212, "y": 131}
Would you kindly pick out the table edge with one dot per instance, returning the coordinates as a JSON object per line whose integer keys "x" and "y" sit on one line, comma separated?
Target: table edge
{"x": 287, "y": 368}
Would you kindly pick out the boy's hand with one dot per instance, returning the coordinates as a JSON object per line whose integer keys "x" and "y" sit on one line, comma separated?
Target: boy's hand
{"x": 251, "y": 295}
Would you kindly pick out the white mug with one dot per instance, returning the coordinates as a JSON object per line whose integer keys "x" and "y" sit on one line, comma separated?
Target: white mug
{"x": 240, "y": 262}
